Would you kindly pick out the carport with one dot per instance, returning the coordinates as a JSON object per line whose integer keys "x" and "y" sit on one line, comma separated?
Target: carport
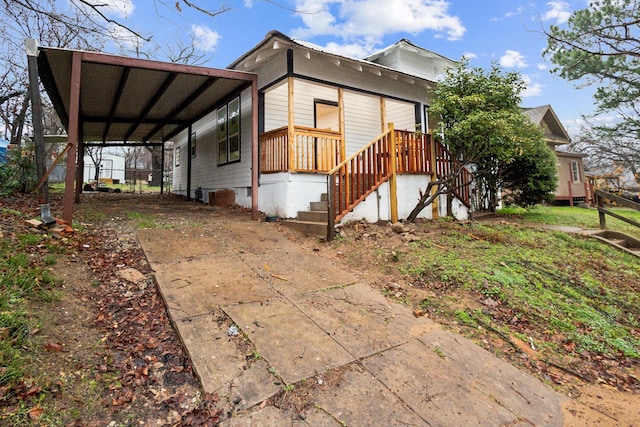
{"x": 108, "y": 100}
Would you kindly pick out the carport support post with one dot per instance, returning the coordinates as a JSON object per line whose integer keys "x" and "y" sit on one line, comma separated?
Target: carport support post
{"x": 255, "y": 156}
{"x": 80, "y": 169}
{"x": 73, "y": 130}
{"x": 189, "y": 163}
{"x": 162, "y": 170}
{"x": 36, "y": 114}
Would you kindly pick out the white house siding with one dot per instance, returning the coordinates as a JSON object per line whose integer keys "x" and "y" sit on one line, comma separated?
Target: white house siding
{"x": 362, "y": 120}
{"x": 305, "y": 93}
{"x": 276, "y": 106}
{"x": 401, "y": 114}
{"x": 205, "y": 172}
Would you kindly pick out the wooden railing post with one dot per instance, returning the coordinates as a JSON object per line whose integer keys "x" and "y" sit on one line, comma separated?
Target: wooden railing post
{"x": 393, "y": 190}
{"x": 601, "y": 214}
{"x": 331, "y": 209}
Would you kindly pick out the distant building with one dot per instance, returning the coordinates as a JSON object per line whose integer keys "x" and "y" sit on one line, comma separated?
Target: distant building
{"x": 3, "y": 149}
{"x": 573, "y": 187}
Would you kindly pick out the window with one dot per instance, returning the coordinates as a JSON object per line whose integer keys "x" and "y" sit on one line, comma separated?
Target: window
{"x": 228, "y": 124}
{"x": 176, "y": 156}
{"x": 193, "y": 144}
{"x": 575, "y": 172}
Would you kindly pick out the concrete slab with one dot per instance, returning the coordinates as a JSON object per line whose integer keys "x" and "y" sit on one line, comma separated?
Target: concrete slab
{"x": 214, "y": 355}
{"x": 294, "y": 346}
{"x": 520, "y": 393}
{"x": 255, "y": 385}
{"x": 361, "y": 319}
{"x": 185, "y": 243}
{"x": 358, "y": 399}
{"x": 297, "y": 274}
{"x": 421, "y": 378}
{"x": 268, "y": 416}
{"x": 192, "y": 287}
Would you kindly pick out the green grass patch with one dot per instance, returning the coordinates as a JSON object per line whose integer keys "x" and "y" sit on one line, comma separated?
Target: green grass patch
{"x": 564, "y": 285}
{"x": 582, "y": 217}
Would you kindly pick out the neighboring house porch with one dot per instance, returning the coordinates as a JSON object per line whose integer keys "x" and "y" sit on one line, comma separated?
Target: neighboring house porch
{"x": 573, "y": 188}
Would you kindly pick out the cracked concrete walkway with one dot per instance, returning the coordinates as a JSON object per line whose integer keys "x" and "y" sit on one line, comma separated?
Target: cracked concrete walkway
{"x": 309, "y": 322}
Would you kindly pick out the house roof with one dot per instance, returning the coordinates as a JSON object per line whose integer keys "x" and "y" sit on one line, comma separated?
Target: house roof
{"x": 407, "y": 45}
{"x": 134, "y": 100}
{"x": 544, "y": 116}
{"x": 275, "y": 41}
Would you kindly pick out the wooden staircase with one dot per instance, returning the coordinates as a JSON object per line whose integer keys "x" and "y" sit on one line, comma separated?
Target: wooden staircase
{"x": 313, "y": 222}
{"x": 618, "y": 240}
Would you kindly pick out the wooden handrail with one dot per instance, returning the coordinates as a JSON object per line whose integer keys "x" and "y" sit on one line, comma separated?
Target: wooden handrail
{"x": 602, "y": 211}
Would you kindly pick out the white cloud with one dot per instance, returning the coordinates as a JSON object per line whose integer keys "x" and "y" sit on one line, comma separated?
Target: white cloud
{"x": 519, "y": 10}
{"x": 205, "y": 38}
{"x": 542, "y": 66}
{"x": 469, "y": 55}
{"x": 513, "y": 59}
{"x": 532, "y": 89}
{"x": 557, "y": 11}
{"x": 366, "y": 22}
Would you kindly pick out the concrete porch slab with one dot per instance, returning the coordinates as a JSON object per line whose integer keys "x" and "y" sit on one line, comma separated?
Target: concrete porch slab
{"x": 294, "y": 346}
{"x": 184, "y": 244}
{"x": 422, "y": 379}
{"x": 214, "y": 355}
{"x": 361, "y": 319}
{"x": 520, "y": 393}
{"x": 358, "y": 399}
{"x": 192, "y": 287}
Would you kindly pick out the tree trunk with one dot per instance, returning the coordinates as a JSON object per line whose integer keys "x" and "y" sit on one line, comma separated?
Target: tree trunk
{"x": 156, "y": 166}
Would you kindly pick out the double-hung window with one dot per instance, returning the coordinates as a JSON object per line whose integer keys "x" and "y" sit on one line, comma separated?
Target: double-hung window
{"x": 575, "y": 172}
{"x": 228, "y": 125}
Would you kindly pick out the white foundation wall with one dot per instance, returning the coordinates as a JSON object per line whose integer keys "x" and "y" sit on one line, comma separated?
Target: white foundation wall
{"x": 377, "y": 206}
{"x": 284, "y": 194}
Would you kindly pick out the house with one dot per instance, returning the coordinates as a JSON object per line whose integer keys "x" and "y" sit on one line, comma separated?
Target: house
{"x": 111, "y": 167}
{"x": 335, "y": 133}
{"x": 573, "y": 187}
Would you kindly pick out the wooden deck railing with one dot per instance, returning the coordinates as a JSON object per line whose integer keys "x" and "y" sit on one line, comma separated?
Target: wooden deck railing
{"x": 354, "y": 179}
{"x": 313, "y": 150}
{"x": 316, "y": 150}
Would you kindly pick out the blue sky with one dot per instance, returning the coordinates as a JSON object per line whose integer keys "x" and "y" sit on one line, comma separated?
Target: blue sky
{"x": 508, "y": 32}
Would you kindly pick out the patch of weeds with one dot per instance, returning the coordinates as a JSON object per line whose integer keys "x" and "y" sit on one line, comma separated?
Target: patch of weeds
{"x": 142, "y": 220}
{"x": 11, "y": 212}
{"x": 288, "y": 388}
{"x": 465, "y": 317}
{"x": 50, "y": 259}
{"x": 439, "y": 352}
{"x": 511, "y": 211}
{"x": 29, "y": 239}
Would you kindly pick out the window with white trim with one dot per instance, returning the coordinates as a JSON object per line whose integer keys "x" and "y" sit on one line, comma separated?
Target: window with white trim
{"x": 228, "y": 125}
{"x": 176, "y": 156}
{"x": 575, "y": 171}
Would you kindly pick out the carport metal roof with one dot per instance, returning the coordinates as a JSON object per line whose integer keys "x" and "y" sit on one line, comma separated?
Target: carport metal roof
{"x": 114, "y": 100}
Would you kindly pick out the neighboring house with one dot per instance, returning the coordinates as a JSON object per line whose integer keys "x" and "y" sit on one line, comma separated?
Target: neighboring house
{"x": 573, "y": 187}
{"x": 324, "y": 129}
{"x": 111, "y": 168}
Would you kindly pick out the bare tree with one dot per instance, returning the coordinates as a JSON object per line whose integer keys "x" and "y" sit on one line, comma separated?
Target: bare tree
{"x": 96, "y": 155}
{"x": 54, "y": 29}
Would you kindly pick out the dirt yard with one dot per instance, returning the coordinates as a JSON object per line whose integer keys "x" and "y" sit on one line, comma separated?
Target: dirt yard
{"x": 105, "y": 353}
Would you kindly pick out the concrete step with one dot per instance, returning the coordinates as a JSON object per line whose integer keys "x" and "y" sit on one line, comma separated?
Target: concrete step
{"x": 317, "y": 229}
{"x": 319, "y": 206}
{"x": 619, "y": 242}
{"x": 313, "y": 216}
{"x": 324, "y": 197}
